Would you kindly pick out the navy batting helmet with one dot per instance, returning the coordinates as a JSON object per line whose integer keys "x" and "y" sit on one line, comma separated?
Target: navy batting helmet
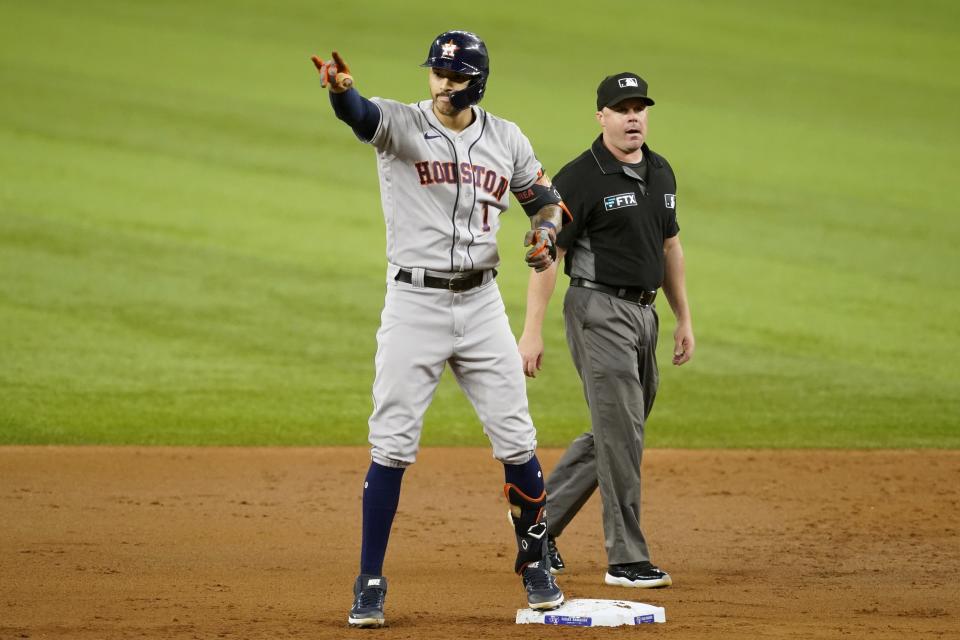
{"x": 461, "y": 52}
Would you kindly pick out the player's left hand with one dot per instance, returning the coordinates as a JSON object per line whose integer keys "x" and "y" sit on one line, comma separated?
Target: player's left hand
{"x": 544, "y": 249}
{"x": 683, "y": 343}
{"x": 333, "y": 73}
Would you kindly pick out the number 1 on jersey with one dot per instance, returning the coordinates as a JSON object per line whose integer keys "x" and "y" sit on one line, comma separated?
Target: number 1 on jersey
{"x": 486, "y": 217}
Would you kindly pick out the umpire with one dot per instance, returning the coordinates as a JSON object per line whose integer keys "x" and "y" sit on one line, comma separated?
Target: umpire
{"x": 621, "y": 246}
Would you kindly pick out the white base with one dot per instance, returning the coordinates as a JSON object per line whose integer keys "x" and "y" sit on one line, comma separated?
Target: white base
{"x": 595, "y": 613}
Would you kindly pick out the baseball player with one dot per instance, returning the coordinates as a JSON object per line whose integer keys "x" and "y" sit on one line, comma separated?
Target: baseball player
{"x": 446, "y": 169}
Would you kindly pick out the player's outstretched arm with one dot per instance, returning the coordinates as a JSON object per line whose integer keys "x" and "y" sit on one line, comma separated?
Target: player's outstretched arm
{"x": 362, "y": 115}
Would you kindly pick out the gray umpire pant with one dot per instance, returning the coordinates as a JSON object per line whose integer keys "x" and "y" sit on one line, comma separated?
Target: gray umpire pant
{"x": 613, "y": 343}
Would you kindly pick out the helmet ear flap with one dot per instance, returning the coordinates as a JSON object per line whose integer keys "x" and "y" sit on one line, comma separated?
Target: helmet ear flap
{"x": 469, "y": 96}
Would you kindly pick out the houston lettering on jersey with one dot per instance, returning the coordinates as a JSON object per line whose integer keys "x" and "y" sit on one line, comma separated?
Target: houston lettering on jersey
{"x": 446, "y": 173}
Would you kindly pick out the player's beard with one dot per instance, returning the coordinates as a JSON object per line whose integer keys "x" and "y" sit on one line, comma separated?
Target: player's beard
{"x": 444, "y": 107}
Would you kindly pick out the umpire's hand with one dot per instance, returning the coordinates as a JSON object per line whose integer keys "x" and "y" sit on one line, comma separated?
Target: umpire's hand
{"x": 530, "y": 346}
{"x": 683, "y": 343}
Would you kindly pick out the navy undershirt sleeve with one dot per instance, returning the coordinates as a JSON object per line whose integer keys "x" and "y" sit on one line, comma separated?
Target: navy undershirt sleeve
{"x": 362, "y": 115}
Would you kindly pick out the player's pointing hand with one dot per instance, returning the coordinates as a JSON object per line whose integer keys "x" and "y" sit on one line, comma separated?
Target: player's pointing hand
{"x": 334, "y": 73}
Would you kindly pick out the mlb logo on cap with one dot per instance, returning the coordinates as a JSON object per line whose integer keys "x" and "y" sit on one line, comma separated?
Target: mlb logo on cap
{"x": 620, "y": 87}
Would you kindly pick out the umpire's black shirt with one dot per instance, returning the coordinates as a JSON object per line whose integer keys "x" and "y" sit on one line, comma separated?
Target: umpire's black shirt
{"x": 621, "y": 216}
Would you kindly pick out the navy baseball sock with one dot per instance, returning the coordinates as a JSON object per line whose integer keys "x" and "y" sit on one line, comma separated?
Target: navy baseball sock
{"x": 381, "y": 494}
{"x": 528, "y": 477}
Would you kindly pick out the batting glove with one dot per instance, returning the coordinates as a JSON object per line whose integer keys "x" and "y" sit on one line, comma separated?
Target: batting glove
{"x": 543, "y": 252}
{"x": 334, "y": 73}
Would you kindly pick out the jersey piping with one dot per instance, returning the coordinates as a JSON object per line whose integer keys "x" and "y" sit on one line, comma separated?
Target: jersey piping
{"x": 483, "y": 127}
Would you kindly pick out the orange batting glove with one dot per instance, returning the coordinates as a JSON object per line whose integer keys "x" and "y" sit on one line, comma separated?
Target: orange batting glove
{"x": 334, "y": 73}
{"x": 544, "y": 249}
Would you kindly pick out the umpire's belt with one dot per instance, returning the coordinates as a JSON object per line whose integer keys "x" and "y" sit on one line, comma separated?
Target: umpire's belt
{"x": 640, "y": 296}
{"x": 464, "y": 282}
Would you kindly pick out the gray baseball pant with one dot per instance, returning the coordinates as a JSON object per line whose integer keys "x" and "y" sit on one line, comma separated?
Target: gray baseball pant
{"x": 613, "y": 343}
{"x": 421, "y": 331}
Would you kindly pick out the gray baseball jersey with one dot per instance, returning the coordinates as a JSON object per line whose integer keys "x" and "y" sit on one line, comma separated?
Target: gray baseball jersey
{"x": 443, "y": 192}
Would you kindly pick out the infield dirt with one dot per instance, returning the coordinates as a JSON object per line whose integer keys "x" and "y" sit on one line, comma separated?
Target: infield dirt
{"x": 127, "y": 542}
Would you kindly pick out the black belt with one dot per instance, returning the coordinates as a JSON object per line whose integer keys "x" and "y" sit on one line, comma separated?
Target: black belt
{"x": 640, "y": 296}
{"x": 464, "y": 282}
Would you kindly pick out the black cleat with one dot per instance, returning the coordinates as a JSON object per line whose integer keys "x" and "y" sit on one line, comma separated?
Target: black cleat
{"x": 543, "y": 593}
{"x": 369, "y": 592}
{"x": 642, "y": 575}
{"x": 553, "y": 557}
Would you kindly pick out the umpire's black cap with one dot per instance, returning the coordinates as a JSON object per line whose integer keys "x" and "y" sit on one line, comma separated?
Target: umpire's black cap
{"x": 624, "y": 85}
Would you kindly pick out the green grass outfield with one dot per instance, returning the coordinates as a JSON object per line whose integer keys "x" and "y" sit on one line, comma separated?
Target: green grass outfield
{"x": 191, "y": 246}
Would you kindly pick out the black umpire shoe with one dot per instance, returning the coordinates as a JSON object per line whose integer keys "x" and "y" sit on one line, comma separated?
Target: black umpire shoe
{"x": 543, "y": 593}
{"x": 369, "y": 592}
{"x": 553, "y": 557}
{"x": 642, "y": 575}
